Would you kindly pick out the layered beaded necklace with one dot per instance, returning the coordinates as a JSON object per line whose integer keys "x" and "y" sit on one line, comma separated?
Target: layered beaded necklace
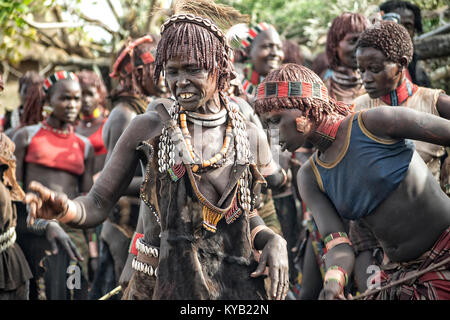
{"x": 61, "y": 132}
{"x": 219, "y": 158}
{"x": 235, "y": 131}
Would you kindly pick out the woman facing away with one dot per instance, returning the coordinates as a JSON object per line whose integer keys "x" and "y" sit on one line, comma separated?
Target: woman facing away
{"x": 365, "y": 168}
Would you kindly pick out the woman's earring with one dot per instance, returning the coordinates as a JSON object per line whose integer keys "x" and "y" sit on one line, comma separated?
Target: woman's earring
{"x": 46, "y": 111}
{"x": 302, "y": 124}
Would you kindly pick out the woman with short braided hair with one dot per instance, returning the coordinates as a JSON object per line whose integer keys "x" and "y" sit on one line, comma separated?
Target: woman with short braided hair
{"x": 384, "y": 54}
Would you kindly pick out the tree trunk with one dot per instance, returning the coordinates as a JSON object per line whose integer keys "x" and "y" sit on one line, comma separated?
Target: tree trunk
{"x": 433, "y": 47}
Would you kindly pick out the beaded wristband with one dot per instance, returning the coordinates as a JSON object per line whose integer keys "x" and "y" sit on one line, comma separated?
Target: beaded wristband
{"x": 335, "y": 238}
{"x": 334, "y": 235}
{"x": 341, "y": 270}
{"x": 335, "y": 275}
{"x": 336, "y": 280}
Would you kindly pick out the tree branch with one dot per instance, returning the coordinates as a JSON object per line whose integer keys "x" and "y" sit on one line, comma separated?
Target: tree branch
{"x": 113, "y": 11}
{"x": 433, "y": 47}
{"x": 57, "y": 12}
{"x": 55, "y": 42}
{"x": 440, "y": 30}
{"x": 150, "y": 15}
{"x": 52, "y": 25}
{"x": 83, "y": 62}
{"x": 98, "y": 23}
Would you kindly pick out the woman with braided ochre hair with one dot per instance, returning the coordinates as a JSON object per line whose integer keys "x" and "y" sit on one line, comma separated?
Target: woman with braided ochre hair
{"x": 201, "y": 181}
{"x": 342, "y": 78}
{"x": 365, "y": 168}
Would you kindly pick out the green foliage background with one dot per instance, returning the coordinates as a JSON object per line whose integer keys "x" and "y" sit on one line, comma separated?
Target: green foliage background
{"x": 308, "y": 20}
{"x": 305, "y": 21}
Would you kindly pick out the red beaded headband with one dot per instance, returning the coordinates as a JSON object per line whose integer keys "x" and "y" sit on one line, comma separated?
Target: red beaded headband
{"x": 253, "y": 33}
{"x": 284, "y": 89}
{"x": 57, "y": 76}
{"x": 145, "y": 57}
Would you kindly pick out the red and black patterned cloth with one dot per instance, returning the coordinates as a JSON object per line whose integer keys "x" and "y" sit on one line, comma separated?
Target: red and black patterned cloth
{"x": 433, "y": 285}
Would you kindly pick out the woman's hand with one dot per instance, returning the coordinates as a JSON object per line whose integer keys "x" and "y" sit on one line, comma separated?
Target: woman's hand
{"x": 44, "y": 203}
{"x": 55, "y": 232}
{"x": 275, "y": 256}
{"x": 333, "y": 291}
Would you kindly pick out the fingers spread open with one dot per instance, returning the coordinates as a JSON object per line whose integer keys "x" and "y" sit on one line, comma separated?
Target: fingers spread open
{"x": 33, "y": 205}
{"x": 67, "y": 244}
{"x": 43, "y": 192}
{"x": 77, "y": 253}
{"x": 54, "y": 246}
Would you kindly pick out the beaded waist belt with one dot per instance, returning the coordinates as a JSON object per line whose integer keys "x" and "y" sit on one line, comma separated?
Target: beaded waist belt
{"x": 147, "y": 259}
{"x": 7, "y": 239}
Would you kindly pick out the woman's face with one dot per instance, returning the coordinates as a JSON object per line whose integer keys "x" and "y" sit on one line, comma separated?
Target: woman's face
{"x": 282, "y": 124}
{"x": 191, "y": 85}
{"x": 266, "y": 52}
{"x": 406, "y": 20}
{"x": 65, "y": 99}
{"x": 379, "y": 75}
{"x": 90, "y": 99}
{"x": 346, "y": 50}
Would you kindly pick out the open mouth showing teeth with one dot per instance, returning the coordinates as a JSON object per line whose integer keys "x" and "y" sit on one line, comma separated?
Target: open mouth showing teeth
{"x": 186, "y": 95}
